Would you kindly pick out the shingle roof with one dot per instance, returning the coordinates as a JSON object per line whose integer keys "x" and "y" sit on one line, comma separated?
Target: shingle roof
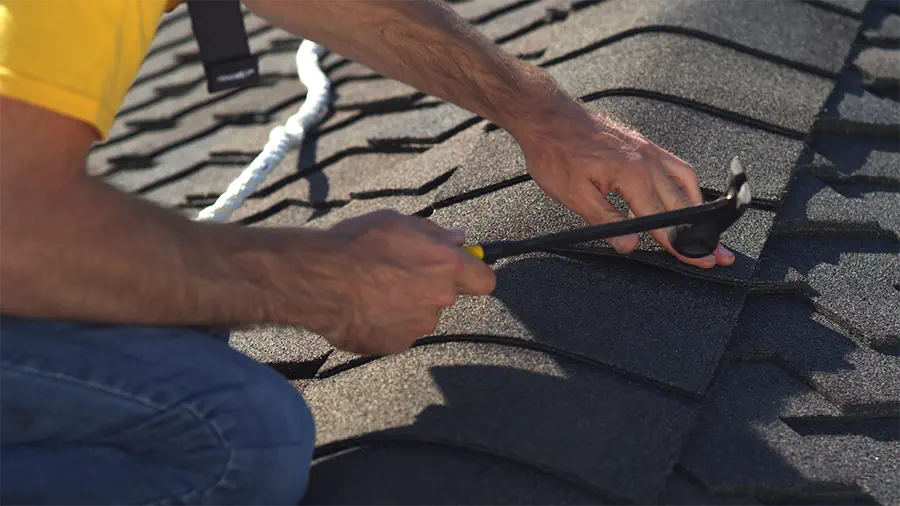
{"x": 589, "y": 377}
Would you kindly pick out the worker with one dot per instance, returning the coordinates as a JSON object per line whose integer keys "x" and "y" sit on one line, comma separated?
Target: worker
{"x": 112, "y": 391}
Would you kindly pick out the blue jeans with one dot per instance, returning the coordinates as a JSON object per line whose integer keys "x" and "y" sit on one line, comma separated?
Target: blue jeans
{"x": 135, "y": 415}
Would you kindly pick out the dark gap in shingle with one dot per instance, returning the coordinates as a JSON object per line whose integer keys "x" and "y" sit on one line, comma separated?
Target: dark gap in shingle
{"x": 340, "y": 155}
{"x": 203, "y": 200}
{"x": 164, "y": 92}
{"x": 696, "y": 34}
{"x": 834, "y": 9}
{"x": 286, "y": 203}
{"x": 879, "y": 429}
{"x": 232, "y": 157}
{"x": 130, "y": 162}
{"x": 399, "y": 438}
{"x": 523, "y": 344}
{"x": 405, "y": 192}
{"x": 698, "y": 106}
{"x": 865, "y": 230}
{"x": 855, "y": 128}
{"x": 243, "y": 118}
{"x": 181, "y": 174}
{"x": 385, "y": 105}
{"x": 890, "y": 346}
{"x": 655, "y": 259}
{"x": 479, "y": 192}
{"x": 727, "y": 115}
{"x": 534, "y": 25}
{"x": 882, "y": 42}
{"x": 306, "y": 369}
{"x": 881, "y": 86}
{"x": 120, "y": 163}
{"x": 817, "y": 494}
{"x": 776, "y": 360}
{"x": 532, "y": 55}
{"x": 265, "y": 81}
{"x": 496, "y": 13}
{"x": 178, "y": 64}
{"x": 383, "y": 142}
{"x": 800, "y": 288}
{"x": 150, "y": 125}
{"x": 398, "y": 106}
{"x": 805, "y": 292}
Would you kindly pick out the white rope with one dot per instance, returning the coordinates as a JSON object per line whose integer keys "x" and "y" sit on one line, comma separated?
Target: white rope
{"x": 282, "y": 139}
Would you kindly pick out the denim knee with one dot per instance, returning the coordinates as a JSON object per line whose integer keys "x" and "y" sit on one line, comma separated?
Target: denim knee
{"x": 271, "y": 433}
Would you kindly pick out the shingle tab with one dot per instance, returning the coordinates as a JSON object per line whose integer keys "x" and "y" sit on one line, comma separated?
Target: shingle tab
{"x": 416, "y": 473}
{"x": 812, "y": 200}
{"x": 665, "y": 327}
{"x": 793, "y": 31}
{"x": 745, "y": 444}
{"x": 719, "y": 77}
{"x": 845, "y": 157}
{"x": 849, "y": 277}
{"x": 610, "y": 433}
{"x": 850, "y": 375}
{"x": 879, "y": 62}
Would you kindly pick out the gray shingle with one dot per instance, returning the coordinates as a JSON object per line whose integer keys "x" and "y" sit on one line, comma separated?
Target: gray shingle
{"x": 617, "y": 436}
{"x": 746, "y": 443}
{"x": 719, "y": 77}
{"x": 879, "y": 62}
{"x": 850, "y": 375}
{"x": 411, "y": 473}
{"x": 849, "y": 157}
{"x": 812, "y": 200}
{"x": 851, "y": 278}
{"x": 663, "y": 327}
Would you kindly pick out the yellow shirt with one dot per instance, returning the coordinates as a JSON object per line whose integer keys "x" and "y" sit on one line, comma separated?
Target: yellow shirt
{"x": 76, "y": 57}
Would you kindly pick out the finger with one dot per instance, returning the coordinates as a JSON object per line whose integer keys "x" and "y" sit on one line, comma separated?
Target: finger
{"x": 590, "y": 204}
{"x": 451, "y": 236}
{"x": 686, "y": 179}
{"x": 644, "y": 199}
{"x": 474, "y": 277}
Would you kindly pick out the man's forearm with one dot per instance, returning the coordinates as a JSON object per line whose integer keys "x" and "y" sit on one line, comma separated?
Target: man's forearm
{"x": 424, "y": 43}
{"x": 86, "y": 251}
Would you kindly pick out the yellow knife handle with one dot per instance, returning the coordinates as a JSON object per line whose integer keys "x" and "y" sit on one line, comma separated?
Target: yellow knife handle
{"x": 476, "y": 250}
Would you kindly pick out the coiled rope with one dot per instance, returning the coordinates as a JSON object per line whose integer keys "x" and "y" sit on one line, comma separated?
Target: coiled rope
{"x": 282, "y": 139}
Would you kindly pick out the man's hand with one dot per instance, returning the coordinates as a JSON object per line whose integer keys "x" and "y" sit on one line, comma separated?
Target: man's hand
{"x": 387, "y": 281}
{"x": 577, "y": 157}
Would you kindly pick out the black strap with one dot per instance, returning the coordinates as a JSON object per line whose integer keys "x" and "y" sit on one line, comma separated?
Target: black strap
{"x": 219, "y": 29}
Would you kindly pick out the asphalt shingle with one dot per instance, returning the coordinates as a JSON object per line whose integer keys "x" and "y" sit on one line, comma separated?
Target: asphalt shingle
{"x": 747, "y": 442}
{"x": 497, "y": 397}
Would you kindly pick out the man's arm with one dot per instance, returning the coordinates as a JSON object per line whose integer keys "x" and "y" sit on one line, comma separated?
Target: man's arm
{"x": 73, "y": 247}
{"x": 575, "y": 156}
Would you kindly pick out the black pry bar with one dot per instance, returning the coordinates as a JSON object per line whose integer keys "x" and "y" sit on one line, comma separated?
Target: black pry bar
{"x": 695, "y": 230}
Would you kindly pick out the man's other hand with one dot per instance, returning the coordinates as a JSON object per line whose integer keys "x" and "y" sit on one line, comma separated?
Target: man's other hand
{"x": 577, "y": 157}
{"x": 389, "y": 278}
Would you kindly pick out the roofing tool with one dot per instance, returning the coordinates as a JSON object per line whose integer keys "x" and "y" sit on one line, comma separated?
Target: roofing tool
{"x": 694, "y": 230}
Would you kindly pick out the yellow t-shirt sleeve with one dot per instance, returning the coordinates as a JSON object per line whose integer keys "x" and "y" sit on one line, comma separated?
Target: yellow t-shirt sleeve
{"x": 76, "y": 57}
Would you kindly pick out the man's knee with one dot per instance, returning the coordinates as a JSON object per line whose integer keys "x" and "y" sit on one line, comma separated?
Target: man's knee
{"x": 225, "y": 428}
{"x": 270, "y": 433}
